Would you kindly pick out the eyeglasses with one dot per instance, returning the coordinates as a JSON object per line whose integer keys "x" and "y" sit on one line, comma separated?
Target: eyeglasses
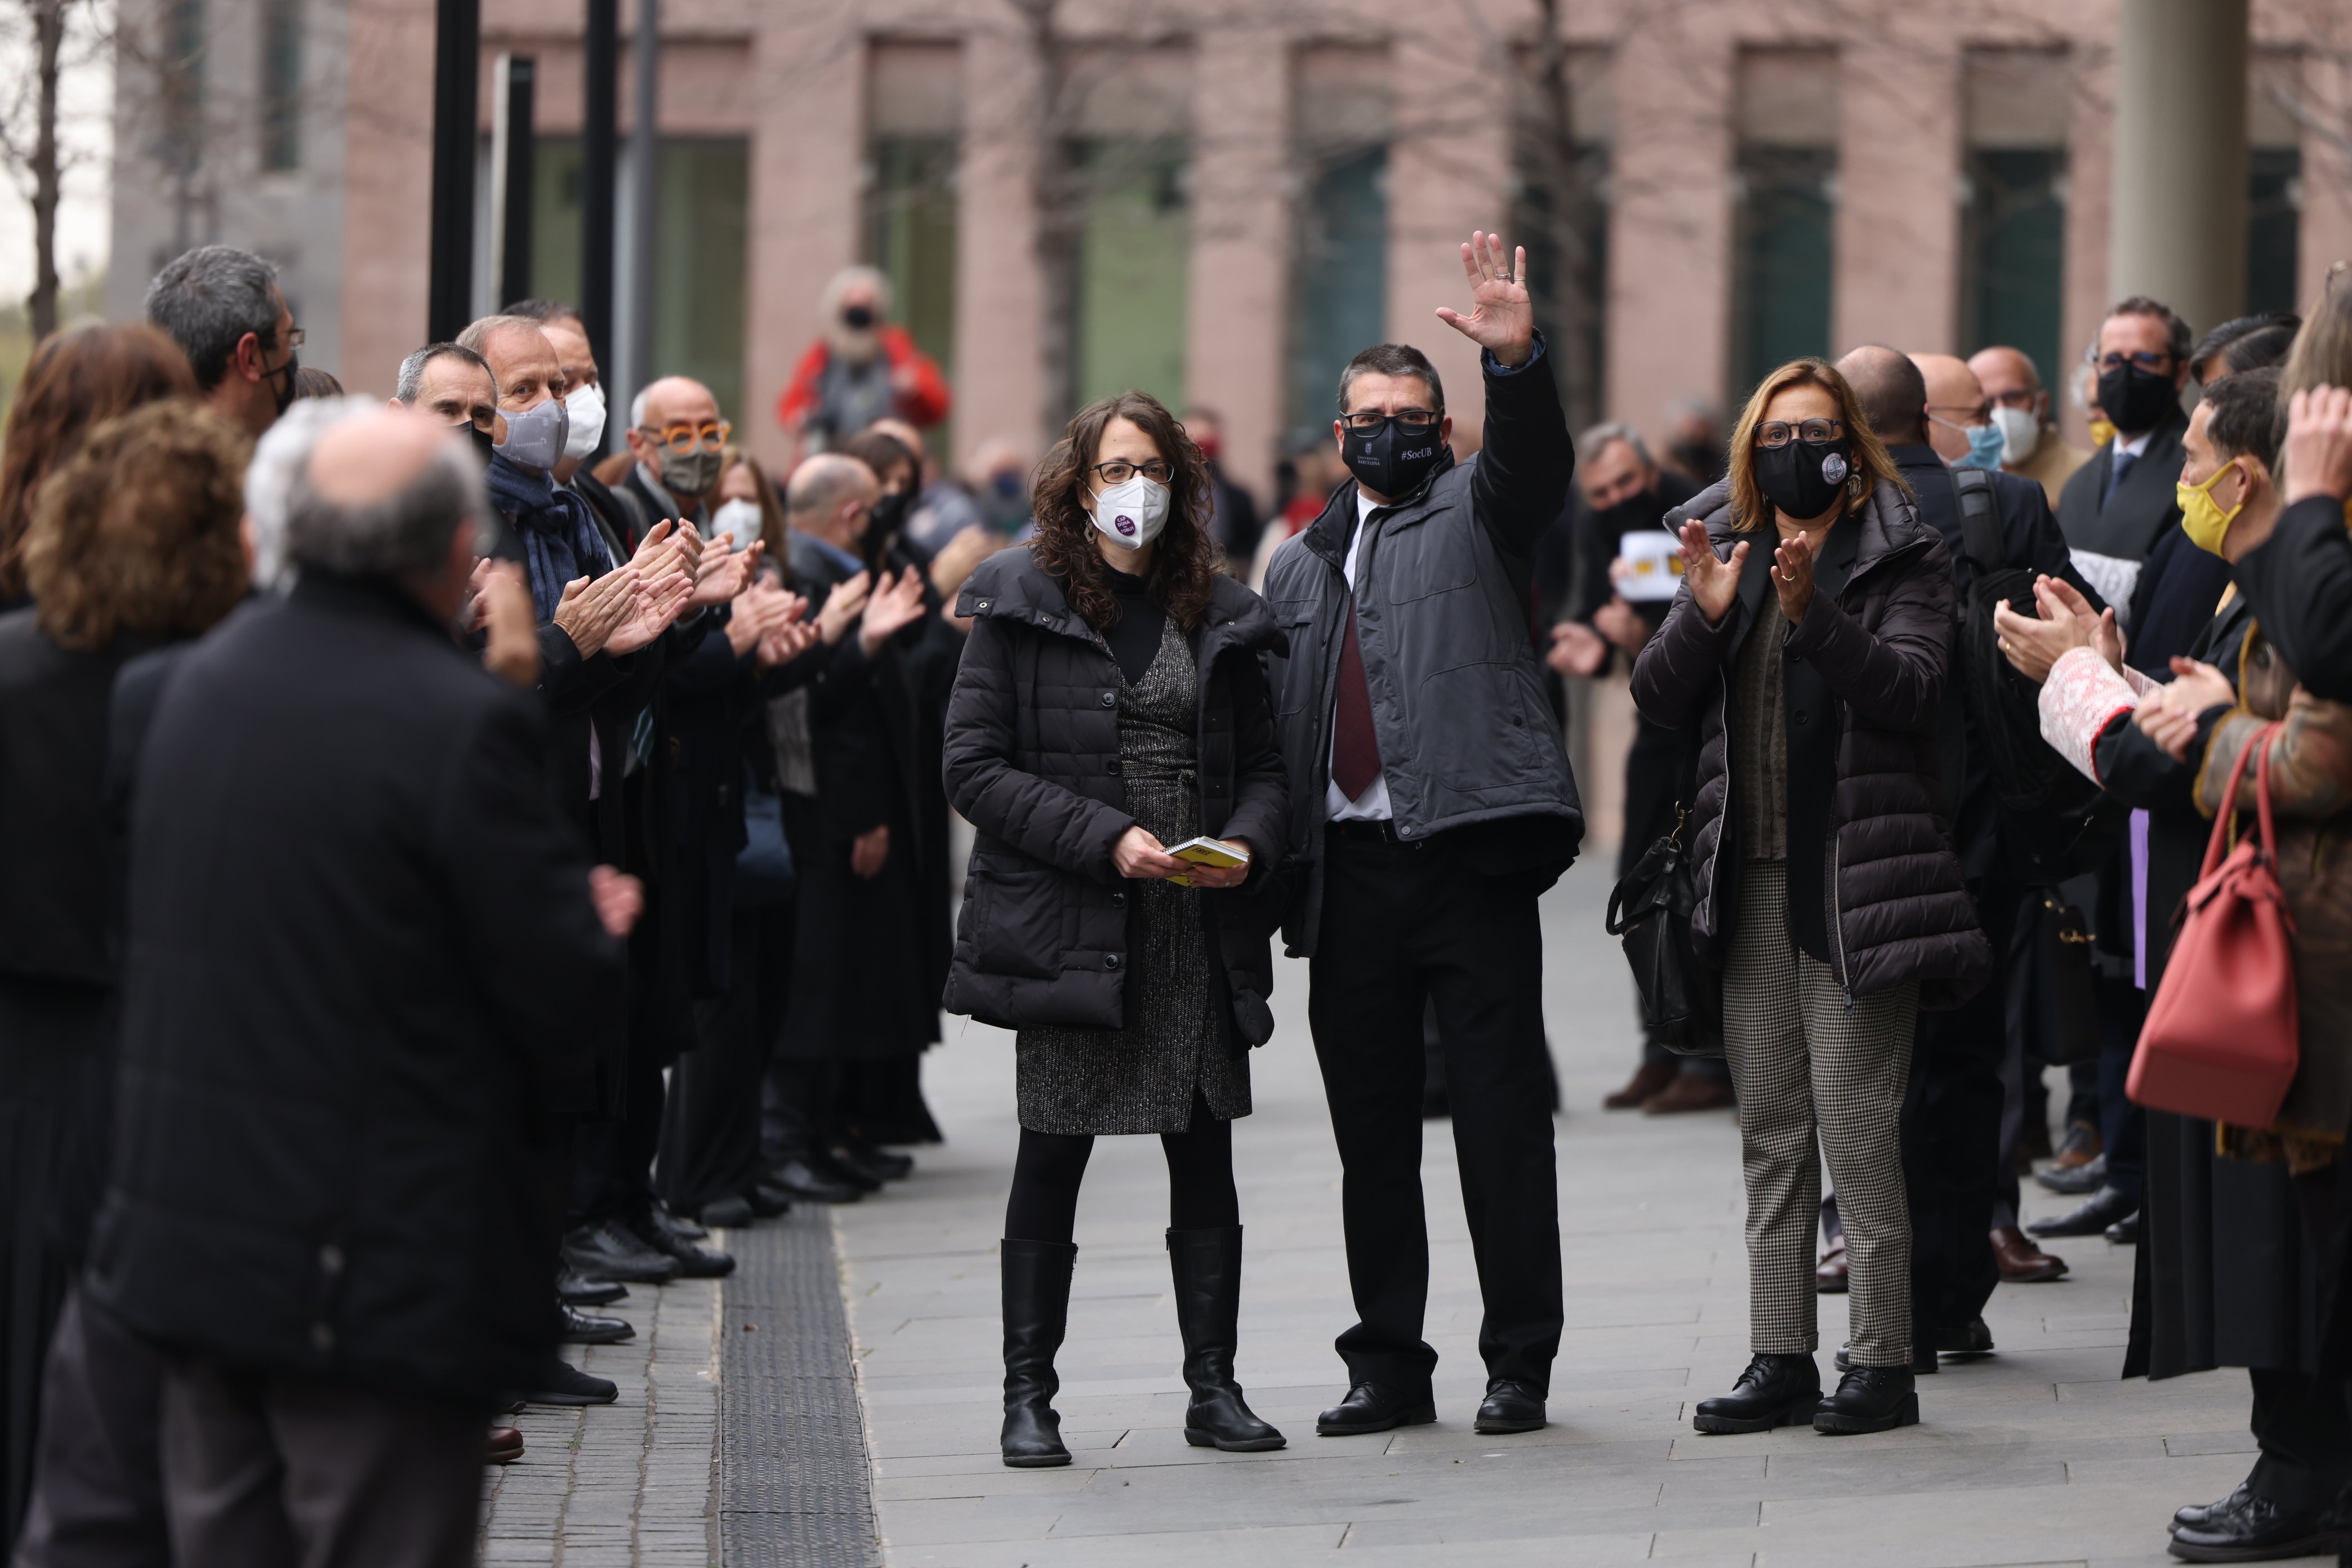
{"x": 1970, "y": 412}
{"x": 2145, "y": 361}
{"x": 1413, "y": 421}
{"x": 1812, "y": 432}
{"x": 681, "y": 440}
{"x": 1159, "y": 470}
{"x": 294, "y": 338}
{"x": 2021, "y": 398}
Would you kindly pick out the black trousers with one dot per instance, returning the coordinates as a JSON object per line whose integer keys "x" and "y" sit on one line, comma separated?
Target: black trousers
{"x": 1951, "y": 1137}
{"x": 1402, "y": 923}
{"x": 2306, "y": 1441}
{"x": 711, "y": 1129}
{"x": 614, "y": 1175}
{"x": 98, "y": 1482}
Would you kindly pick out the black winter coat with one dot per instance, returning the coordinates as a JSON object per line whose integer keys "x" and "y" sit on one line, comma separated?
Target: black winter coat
{"x": 1033, "y": 762}
{"x": 1896, "y": 907}
{"x": 360, "y": 949}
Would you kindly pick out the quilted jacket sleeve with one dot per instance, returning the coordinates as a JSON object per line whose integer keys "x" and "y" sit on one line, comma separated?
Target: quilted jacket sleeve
{"x": 1892, "y": 679}
{"x": 1678, "y": 668}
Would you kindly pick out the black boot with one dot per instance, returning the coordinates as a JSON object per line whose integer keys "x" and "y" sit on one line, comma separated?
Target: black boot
{"x": 1207, "y": 1267}
{"x": 1775, "y": 1391}
{"x": 2256, "y": 1531}
{"x": 1036, "y": 1312}
{"x": 1869, "y": 1399}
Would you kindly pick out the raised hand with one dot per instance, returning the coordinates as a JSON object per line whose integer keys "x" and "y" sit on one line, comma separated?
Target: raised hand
{"x": 722, "y": 573}
{"x": 2318, "y": 452}
{"x": 1714, "y": 584}
{"x": 752, "y": 618}
{"x": 843, "y": 603}
{"x": 1502, "y": 320}
{"x": 1792, "y": 576}
{"x": 896, "y": 604}
{"x": 502, "y": 607}
{"x": 588, "y": 611}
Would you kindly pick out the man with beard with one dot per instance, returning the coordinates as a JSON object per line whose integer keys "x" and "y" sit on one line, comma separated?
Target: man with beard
{"x": 861, "y": 370}
{"x": 1622, "y": 489}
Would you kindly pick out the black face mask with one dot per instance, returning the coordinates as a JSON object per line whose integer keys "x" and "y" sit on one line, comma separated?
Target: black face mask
{"x": 1802, "y": 480}
{"x": 485, "y": 441}
{"x": 284, "y": 391}
{"x": 886, "y": 516}
{"x": 857, "y": 317}
{"x": 2136, "y": 399}
{"x": 1390, "y": 461}
{"x": 1642, "y": 509}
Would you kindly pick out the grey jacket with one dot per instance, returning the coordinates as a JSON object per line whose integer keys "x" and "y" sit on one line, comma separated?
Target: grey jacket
{"x": 1442, "y": 611}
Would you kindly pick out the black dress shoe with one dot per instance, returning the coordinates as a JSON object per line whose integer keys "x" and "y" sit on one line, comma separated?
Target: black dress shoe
{"x": 727, "y": 1214}
{"x": 1775, "y": 1391}
{"x": 2256, "y": 1531}
{"x": 1972, "y": 1338}
{"x": 678, "y": 1224}
{"x": 2105, "y": 1207}
{"x": 2198, "y": 1515}
{"x": 2125, "y": 1232}
{"x": 578, "y": 1328}
{"x": 766, "y": 1202}
{"x": 829, "y": 1164}
{"x": 802, "y": 1181}
{"x": 1869, "y": 1399}
{"x": 611, "y": 1250}
{"x": 1512, "y": 1406}
{"x": 1922, "y": 1359}
{"x": 695, "y": 1261}
{"x": 873, "y": 1160}
{"x": 2075, "y": 1180}
{"x": 1369, "y": 1407}
{"x": 561, "y": 1383}
{"x": 582, "y": 1291}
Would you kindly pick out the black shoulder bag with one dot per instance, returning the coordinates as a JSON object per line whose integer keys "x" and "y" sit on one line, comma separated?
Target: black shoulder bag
{"x": 1681, "y": 1003}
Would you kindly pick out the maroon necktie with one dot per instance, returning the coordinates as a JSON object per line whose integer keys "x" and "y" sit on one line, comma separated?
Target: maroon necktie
{"x": 1355, "y": 750}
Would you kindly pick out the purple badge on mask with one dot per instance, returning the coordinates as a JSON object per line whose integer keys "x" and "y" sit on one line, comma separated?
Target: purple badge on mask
{"x": 1125, "y": 524}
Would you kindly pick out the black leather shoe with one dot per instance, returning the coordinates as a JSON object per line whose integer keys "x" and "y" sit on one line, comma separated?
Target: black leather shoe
{"x": 583, "y": 1291}
{"x": 2125, "y": 1232}
{"x": 802, "y": 1182}
{"x": 1369, "y": 1407}
{"x": 1037, "y": 1286}
{"x": 1775, "y": 1391}
{"x": 561, "y": 1383}
{"x": 611, "y": 1250}
{"x": 1206, "y": 1266}
{"x": 1511, "y": 1405}
{"x": 1922, "y": 1359}
{"x": 1869, "y": 1399}
{"x": 578, "y": 1328}
{"x": 829, "y": 1166}
{"x": 2105, "y": 1207}
{"x": 1972, "y": 1338}
{"x": 731, "y": 1213}
{"x": 2073, "y": 1182}
{"x": 2197, "y": 1515}
{"x": 767, "y": 1201}
{"x": 695, "y": 1261}
{"x": 678, "y": 1224}
{"x": 873, "y": 1160}
{"x": 2256, "y": 1531}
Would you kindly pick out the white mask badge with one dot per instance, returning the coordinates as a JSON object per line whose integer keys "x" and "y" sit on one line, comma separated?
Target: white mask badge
{"x": 1132, "y": 513}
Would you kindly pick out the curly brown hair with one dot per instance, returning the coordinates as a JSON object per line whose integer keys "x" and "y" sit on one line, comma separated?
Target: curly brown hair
{"x": 137, "y": 535}
{"x": 77, "y": 379}
{"x": 1183, "y": 566}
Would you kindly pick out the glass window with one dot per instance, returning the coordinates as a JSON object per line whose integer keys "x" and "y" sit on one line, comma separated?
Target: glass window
{"x": 1338, "y": 280}
{"x": 914, "y": 112}
{"x": 700, "y": 264}
{"x": 555, "y": 194}
{"x": 2274, "y": 227}
{"x": 1562, "y": 216}
{"x": 1132, "y": 268}
{"x": 281, "y": 84}
{"x": 1782, "y": 260}
{"x": 2014, "y": 252}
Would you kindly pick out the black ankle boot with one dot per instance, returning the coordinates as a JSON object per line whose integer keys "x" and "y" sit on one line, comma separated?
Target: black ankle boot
{"x": 1207, "y": 1267}
{"x": 1037, "y": 1312}
{"x": 1869, "y": 1399}
{"x": 1775, "y": 1391}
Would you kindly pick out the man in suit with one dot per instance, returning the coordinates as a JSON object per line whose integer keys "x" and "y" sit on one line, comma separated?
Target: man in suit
{"x": 2115, "y": 508}
{"x": 1432, "y": 803}
{"x": 363, "y": 949}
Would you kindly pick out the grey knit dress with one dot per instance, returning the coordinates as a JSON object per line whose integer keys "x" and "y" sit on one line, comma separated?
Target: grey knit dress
{"x": 1141, "y": 1079}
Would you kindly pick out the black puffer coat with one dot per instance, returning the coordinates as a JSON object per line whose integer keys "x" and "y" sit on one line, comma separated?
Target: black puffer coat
{"x": 1897, "y": 909}
{"x": 1033, "y": 762}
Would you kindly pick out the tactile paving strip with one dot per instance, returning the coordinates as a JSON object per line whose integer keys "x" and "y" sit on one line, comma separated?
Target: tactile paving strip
{"x": 795, "y": 1490}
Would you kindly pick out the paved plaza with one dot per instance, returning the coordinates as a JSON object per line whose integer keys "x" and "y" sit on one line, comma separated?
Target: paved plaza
{"x": 2036, "y": 1455}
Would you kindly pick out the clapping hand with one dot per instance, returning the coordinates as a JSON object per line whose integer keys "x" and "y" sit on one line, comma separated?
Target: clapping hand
{"x": 1713, "y": 582}
{"x": 2318, "y": 452}
{"x": 843, "y": 603}
{"x": 619, "y": 899}
{"x": 1576, "y": 649}
{"x": 658, "y": 604}
{"x": 723, "y": 571}
{"x": 1792, "y": 576}
{"x": 591, "y": 610}
{"x": 896, "y": 602}
{"x": 1502, "y": 317}
{"x": 792, "y": 635}
{"x": 2169, "y": 715}
{"x": 2068, "y": 622}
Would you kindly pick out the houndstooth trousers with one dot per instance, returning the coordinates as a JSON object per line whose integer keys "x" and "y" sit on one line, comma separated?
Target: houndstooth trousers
{"x": 1802, "y": 1064}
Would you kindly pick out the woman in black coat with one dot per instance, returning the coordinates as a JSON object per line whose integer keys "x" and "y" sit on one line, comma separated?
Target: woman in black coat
{"x": 1110, "y": 705}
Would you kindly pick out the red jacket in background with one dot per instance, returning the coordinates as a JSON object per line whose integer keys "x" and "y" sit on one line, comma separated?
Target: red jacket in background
{"x": 922, "y": 407}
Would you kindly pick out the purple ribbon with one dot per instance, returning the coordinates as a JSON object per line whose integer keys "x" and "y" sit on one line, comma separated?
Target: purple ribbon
{"x": 2139, "y": 898}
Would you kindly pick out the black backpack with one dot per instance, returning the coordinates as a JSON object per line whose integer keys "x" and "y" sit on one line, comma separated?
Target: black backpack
{"x": 1681, "y": 1001}
{"x": 2054, "y": 822}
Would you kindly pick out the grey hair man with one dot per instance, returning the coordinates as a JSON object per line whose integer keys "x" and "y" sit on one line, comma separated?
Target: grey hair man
{"x": 389, "y": 498}
{"x": 225, "y": 309}
{"x": 2030, "y": 444}
{"x": 456, "y": 386}
{"x": 279, "y": 460}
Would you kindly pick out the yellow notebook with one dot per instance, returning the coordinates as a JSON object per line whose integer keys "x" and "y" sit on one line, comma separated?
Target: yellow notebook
{"x": 1206, "y": 851}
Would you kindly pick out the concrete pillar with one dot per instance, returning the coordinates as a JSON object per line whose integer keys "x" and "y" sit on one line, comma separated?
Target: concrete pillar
{"x": 1240, "y": 255}
{"x": 999, "y": 382}
{"x": 2090, "y": 193}
{"x": 2180, "y": 230}
{"x": 1898, "y": 221}
{"x": 1449, "y": 172}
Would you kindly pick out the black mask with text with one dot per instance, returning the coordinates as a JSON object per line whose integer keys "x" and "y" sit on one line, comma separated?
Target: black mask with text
{"x": 1803, "y": 480}
{"x": 2136, "y": 399}
{"x": 1390, "y": 461}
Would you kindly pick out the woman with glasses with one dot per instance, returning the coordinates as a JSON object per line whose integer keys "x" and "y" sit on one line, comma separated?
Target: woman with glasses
{"x": 1109, "y": 708}
{"x": 1809, "y": 643}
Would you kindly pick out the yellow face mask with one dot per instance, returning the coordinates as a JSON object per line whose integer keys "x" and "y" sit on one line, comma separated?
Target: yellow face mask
{"x": 2201, "y": 517}
{"x": 2101, "y": 432}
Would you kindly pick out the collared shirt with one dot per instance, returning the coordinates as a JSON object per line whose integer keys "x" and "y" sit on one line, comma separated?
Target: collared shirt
{"x": 1372, "y": 806}
{"x": 837, "y": 554}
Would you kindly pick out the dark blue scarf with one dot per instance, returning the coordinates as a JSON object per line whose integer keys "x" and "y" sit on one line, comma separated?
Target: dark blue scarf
{"x": 560, "y": 539}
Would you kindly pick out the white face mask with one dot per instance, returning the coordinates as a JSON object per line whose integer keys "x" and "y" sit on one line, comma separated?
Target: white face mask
{"x": 2021, "y": 433}
{"x": 739, "y": 521}
{"x": 535, "y": 436}
{"x": 587, "y": 406}
{"x": 1131, "y": 514}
